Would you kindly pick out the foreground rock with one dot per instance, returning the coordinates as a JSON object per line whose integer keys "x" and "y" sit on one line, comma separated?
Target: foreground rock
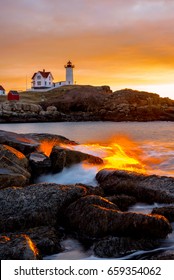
{"x": 39, "y": 241}
{"x": 114, "y": 247}
{"x": 144, "y": 188}
{"x": 94, "y": 217}
{"x": 36, "y": 205}
{"x": 18, "y": 247}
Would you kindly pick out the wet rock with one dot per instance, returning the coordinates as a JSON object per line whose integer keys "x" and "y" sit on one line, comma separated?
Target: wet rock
{"x": 167, "y": 255}
{"x": 18, "y": 141}
{"x": 39, "y": 163}
{"x": 8, "y": 179}
{"x": 13, "y": 167}
{"x": 94, "y": 217}
{"x": 17, "y": 247}
{"x": 58, "y": 159}
{"x": 14, "y": 155}
{"x": 62, "y": 157}
{"x": 36, "y": 205}
{"x": 167, "y": 211}
{"x": 30, "y": 142}
{"x": 122, "y": 201}
{"x": 143, "y": 187}
{"x": 54, "y": 138}
{"x": 47, "y": 239}
{"x": 115, "y": 247}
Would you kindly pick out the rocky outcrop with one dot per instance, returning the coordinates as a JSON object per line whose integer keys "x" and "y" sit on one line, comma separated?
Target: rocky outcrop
{"x": 88, "y": 103}
{"x": 144, "y": 188}
{"x": 95, "y": 217}
{"x": 115, "y": 247}
{"x": 29, "y": 155}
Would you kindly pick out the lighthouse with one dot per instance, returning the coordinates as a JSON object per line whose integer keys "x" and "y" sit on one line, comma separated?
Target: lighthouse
{"x": 69, "y": 73}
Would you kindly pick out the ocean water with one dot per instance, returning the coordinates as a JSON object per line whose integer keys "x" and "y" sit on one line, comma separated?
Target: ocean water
{"x": 151, "y": 142}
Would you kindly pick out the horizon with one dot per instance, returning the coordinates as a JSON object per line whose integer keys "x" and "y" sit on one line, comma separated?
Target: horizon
{"x": 136, "y": 53}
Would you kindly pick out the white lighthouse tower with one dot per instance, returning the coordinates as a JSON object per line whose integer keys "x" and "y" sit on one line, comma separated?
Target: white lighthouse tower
{"x": 69, "y": 73}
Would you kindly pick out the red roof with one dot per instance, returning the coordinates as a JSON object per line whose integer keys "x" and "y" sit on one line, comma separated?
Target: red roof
{"x": 1, "y": 88}
{"x": 43, "y": 73}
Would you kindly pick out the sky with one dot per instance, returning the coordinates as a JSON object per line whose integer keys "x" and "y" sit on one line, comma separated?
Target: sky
{"x": 120, "y": 43}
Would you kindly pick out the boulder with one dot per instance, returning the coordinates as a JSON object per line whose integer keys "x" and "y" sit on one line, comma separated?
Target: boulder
{"x": 46, "y": 239}
{"x": 8, "y": 178}
{"x": 58, "y": 159}
{"x": 51, "y": 109}
{"x": 20, "y": 142}
{"x": 115, "y": 247}
{"x": 13, "y": 167}
{"x": 95, "y": 217}
{"x": 62, "y": 157}
{"x": 167, "y": 211}
{"x": 36, "y": 205}
{"x": 17, "y": 247}
{"x": 143, "y": 187}
{"x": 39, "y": 163}
{"x": 14, "y": 155}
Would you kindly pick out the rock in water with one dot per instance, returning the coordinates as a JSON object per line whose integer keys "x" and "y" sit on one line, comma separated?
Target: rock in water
{"x": 39, "y": 163}
{"x": 94, "y": 217}
{"x": 115, "y": 247}
{"x": 62, "y": 157}
{"x": 143, "y": 187}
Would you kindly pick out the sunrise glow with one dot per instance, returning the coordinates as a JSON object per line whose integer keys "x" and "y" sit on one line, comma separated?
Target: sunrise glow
{"x": 135, "y": 53}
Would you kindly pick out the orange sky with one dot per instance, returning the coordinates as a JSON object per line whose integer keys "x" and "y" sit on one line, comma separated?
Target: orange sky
{"x": 121, "y": 43}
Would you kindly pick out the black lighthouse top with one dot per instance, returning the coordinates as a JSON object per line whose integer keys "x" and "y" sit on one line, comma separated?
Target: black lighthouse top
{"x": 69, "y": 65}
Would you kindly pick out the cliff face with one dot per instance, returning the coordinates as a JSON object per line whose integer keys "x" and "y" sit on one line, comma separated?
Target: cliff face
{"x": 88, "y": 103}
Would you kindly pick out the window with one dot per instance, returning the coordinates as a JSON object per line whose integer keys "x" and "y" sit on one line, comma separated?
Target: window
{"x": 39, "y": 77}
{"x": 45, "y": 83}
{"x": 39, "y": 83}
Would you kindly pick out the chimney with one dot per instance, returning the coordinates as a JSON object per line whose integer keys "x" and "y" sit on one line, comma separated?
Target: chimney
{"x": 43, "y": 70}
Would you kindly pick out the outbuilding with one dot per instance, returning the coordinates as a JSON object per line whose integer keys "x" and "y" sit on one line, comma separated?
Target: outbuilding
{"x": 13, "y": 95}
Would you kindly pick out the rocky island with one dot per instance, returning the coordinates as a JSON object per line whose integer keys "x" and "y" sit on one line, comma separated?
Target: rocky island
{"x": 36, "y": 217}
{"x": 86, "y": 103}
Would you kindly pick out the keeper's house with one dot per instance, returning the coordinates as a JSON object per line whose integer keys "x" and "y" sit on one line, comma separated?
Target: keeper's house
{"x": 42, "y": 80}
{"x": 2, "y": 90}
